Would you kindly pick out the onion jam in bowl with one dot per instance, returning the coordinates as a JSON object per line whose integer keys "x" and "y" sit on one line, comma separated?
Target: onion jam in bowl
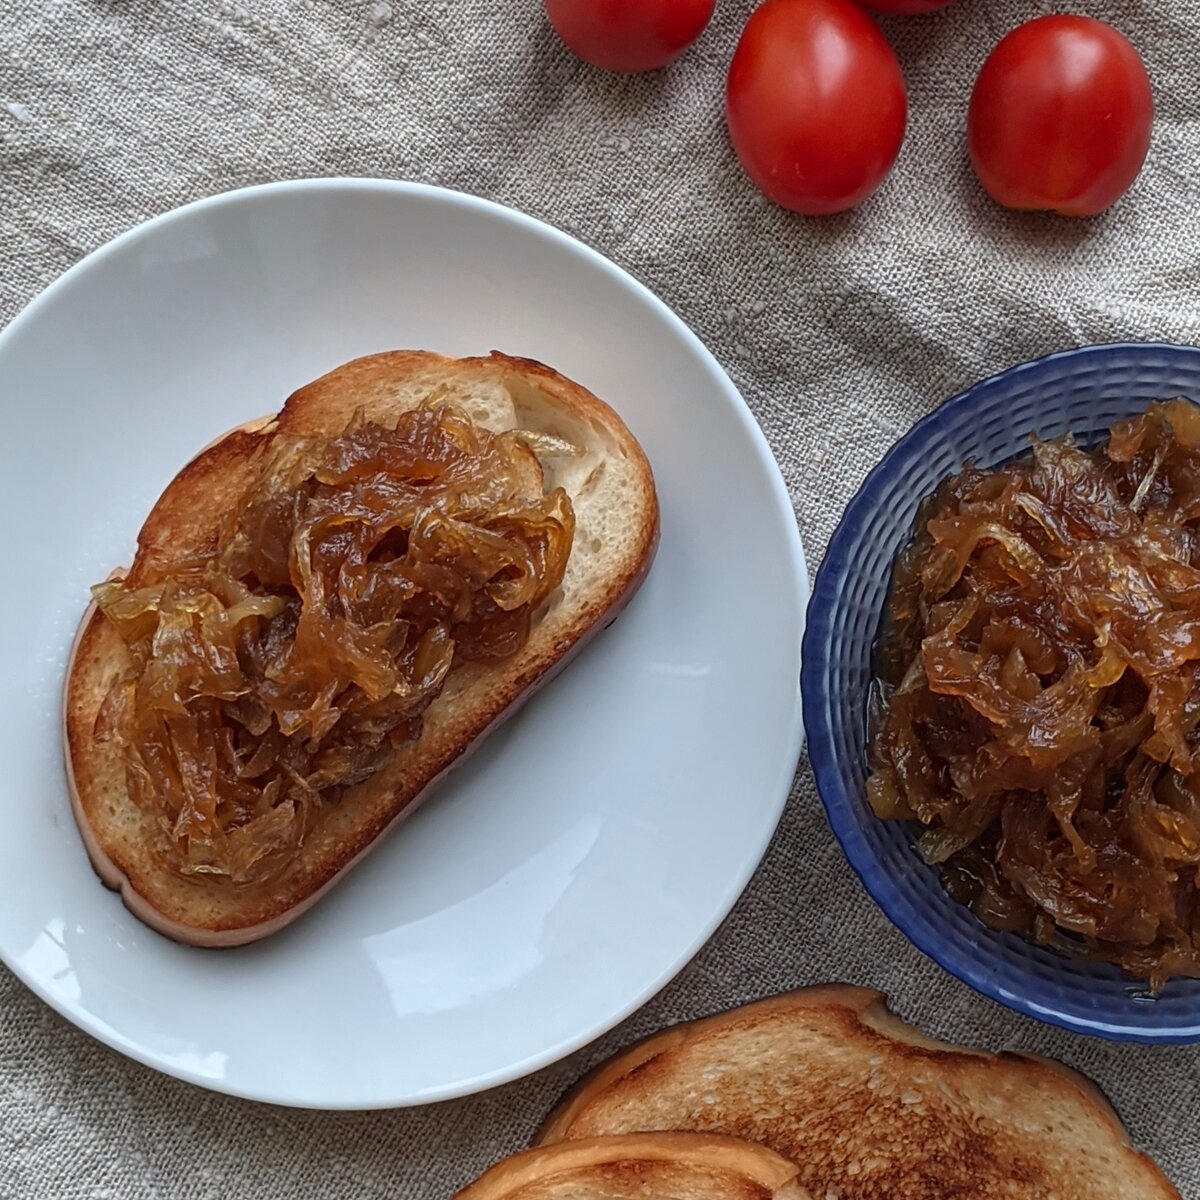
{"x": 989, "y": 812}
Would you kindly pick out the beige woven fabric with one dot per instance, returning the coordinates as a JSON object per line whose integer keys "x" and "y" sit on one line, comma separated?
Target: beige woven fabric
{"x": 839, "y": 333}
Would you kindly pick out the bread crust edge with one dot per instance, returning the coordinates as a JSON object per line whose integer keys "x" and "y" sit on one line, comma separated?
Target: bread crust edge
{"x": 755, "y": 1163}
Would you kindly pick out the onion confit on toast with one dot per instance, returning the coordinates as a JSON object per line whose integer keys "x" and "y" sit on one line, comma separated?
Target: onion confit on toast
{"x": 678, "y": 1166}
{"x": 326, "y": 610}
{"x": 867, "y": 1106}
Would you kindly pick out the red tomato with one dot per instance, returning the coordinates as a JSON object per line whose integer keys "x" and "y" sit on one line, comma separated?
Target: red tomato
{"x": 906, "y": 8}
{"x": 1060, "y": 117}
{"x": 629, "y": 35}
{"x": 816, "y": 104}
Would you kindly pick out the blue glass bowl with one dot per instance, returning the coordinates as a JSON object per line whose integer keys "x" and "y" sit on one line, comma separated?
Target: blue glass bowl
{"x": 1084, "y": 391}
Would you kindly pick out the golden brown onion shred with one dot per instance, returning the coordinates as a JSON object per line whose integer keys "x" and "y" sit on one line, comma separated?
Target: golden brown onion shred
{"x": 275, "y": 673}
{"x": 1038, "y": 694}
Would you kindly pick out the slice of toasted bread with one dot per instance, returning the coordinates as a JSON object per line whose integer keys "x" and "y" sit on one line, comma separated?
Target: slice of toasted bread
{"x": 655, "y": 1166}
{"x": 867, "y": 1107}
{"x": 616, "y": 511}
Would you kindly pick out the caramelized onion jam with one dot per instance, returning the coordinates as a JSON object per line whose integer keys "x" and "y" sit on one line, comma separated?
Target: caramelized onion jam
{"x": 1037, "y": 706}
{"x": 271, "y": 675}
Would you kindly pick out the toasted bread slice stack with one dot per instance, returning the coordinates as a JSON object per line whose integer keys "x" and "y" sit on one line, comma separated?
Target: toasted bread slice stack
{"x": 867, "y": 1107}
{"x": 655, "y": 1166}
{"x": 609, "y": 483}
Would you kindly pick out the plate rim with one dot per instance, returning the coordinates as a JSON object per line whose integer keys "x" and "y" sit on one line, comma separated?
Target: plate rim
{"x": 797, "y": 574}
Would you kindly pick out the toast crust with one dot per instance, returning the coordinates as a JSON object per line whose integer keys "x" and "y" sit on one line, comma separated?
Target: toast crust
{"x": 475, "y": 698}
{"x": 708, "y": 1166}
{"x": 948, "y": 1089}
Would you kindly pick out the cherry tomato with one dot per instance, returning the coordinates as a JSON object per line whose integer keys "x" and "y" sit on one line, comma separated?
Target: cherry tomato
{"x": 905, "y": 8}
{"x": 1060, "y": 117}
{"x": 629, "y": 35}
{"x": 816, "y": 104}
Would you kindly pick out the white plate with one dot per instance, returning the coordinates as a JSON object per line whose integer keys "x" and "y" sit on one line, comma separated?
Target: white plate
{"x": 583, "y": 856}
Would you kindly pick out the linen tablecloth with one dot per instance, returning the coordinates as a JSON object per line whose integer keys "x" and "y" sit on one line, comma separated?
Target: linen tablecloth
{"x": 839, "y": 332}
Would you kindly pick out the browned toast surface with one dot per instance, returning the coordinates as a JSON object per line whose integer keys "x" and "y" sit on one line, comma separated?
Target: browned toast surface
{"x": 867, "y": 1107}
{"x": 612, "y": 491}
